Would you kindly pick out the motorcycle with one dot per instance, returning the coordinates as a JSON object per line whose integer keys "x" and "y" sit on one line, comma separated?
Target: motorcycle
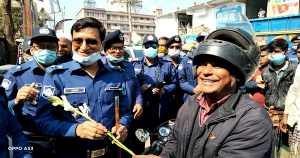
{"x": 163, "y": 133}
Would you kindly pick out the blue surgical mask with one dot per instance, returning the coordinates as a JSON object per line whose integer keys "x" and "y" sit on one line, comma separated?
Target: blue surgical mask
{"x": 277, "y": 59}
{"x": 294, "y": 47}
{"x": 45, "y": 57}
{"x": 114, "y": 60}
{"x": 150, "y": 53}
{"x": 86, "y": 61}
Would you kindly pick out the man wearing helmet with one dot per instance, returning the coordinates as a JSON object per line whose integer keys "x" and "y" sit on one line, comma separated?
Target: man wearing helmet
{"x": 220, "y": 120}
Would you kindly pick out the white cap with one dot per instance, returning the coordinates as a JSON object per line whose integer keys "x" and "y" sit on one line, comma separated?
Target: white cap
{"x": 64, "y": 35}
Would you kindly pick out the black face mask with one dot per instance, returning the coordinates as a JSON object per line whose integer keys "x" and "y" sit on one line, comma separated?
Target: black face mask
{"x": 64, "y": 58}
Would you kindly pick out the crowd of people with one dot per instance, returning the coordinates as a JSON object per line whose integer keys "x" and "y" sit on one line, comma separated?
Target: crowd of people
{"x": 229, "y": 96}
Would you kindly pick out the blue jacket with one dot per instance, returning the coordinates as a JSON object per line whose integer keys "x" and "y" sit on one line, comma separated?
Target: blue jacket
{"x": 83, "y": 92}
{"x": 133, "y": 89}
{"x": 9, "y": 125}
{"x": 151, "y": 76}
{"x": 16, "y": 78}
{"x": 292, "y": 56}
{"x": 186, "y": 77}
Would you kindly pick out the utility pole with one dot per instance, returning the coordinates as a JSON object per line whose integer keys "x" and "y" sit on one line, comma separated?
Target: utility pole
{"x": 129, "y": 4}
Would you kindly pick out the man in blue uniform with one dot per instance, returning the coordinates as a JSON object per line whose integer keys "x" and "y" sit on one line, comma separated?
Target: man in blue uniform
{"x": 292, "y": 54}
{"x": 22, "y": 85}
{"x": 114, "y": 48}
{"x": 10, "y": 126}
{"x": 174, "y": 48}
{"x": 151, "y": 70}
{"x": 187, "y": 81}
{"x": 90, "y": 86}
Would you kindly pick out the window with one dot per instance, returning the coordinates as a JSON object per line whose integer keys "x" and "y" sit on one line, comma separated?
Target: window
{"x": 91, "y": 14}
{"x": 147, "y": 19}
{"x": 141, "y": 18}
{"x": 135, "y": 27}
{"x": 135, "y": 19}
{"x": 115, "y": 24}
{"x": 114, "y": 17}
{"x": 122, "y": 17}
{"x": 141, "y": 27}
{"x": 108, "y": 17}
{"x": 101, "y": 15}
{"x": 147, "y": 27}
{"x": 142, "y": 35}
{"x": 86, "y": 13}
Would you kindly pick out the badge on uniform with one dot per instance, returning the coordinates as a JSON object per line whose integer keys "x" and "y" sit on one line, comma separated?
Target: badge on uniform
{"x": 137, "y": 70}
{"x": 6, "y": 83}
{"x": 180, "y": 67}
{"x": 83, "y": 109}
{"x": 48, "y": 91}
{"x": 190, "y": 62}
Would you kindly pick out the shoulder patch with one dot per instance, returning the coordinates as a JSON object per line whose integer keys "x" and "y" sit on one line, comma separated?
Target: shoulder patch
{"x": 190, "y": 61}
{"x": 48, "y": 91}
{"x": 53, "y": 68}
{"x": 18, "y": 68}
{"x": 6, "y": 83}
{"x": 180, "y": 67}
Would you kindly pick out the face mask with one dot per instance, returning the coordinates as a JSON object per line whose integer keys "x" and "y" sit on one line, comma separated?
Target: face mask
{"x": 45, "y": 57}
{"x": 174, "y": 53}
{"x": 86, "y": 61}
{"x": 277, "y": 59}
{"x": 150, "y": 53}
{"x": 114, "y": 60}
{"x": 161, "y": 55}
{"x": 64, "y": 58}
{"x": 294, "y": 47}
{"x": 162, "y": 49}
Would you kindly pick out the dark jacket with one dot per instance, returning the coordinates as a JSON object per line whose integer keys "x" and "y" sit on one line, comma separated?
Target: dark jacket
{"x": 275, "y": 94}
{"x": 238, "y": 128}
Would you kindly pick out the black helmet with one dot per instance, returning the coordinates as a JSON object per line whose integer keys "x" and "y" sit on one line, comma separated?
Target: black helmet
{"x": 236, "y": 46}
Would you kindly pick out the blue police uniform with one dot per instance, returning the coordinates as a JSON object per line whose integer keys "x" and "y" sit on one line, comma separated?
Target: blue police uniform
{"x": 177, "y": 97}
{"x": 9, "y": 125}
{"x": 16, "y": 78}
{"x": 187, "y": 81}
{"x": 133, "y": 90}
{"x": 292, "y": 56}
{"x": 156, "y": 106}
{"x": 83, "y": 93}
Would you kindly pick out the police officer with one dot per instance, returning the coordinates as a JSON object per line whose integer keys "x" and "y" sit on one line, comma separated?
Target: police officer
{"x": 187, "y": 81}
{"x": 151, "y": 70}
{"x": 90, "y": 86}
{"x": 174, "y": 48}
{"x": 114, "y": 48}
{"x": 64, "y": 52}
{"x": 18, "y": 145}
{"x": 23, "y": 83}
{"x": 292, "y": 54}
{"x": 26, "y": 51}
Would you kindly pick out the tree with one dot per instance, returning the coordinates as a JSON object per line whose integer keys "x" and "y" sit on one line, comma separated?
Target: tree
{"x": 11, "y": 51}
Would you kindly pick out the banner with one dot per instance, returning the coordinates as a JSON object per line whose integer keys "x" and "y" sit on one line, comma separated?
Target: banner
{"x": 284, "y": 7}
{"x": 228, "y": 9}
{"x": 27, "y": 7}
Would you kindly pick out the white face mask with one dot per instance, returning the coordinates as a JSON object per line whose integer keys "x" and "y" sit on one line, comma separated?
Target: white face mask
{"x": 174, "y": 53}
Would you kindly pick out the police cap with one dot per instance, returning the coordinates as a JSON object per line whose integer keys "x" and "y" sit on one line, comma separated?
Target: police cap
{"x": 150, "y": 38}
{"x": 43, "y": 32}
{"x": 174, "y": 39}
{"x": 114, "y": 37}
{"x": 297, "y": 37}
{"x": 26, "y": 45}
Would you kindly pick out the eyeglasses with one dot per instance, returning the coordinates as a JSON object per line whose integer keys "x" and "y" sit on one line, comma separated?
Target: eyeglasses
{"x": 42, "y": 47}
{"x": 172, "y": 47}
{"x": 154, "y": 46}
{"x": 92, "y": 43}
{"x": 117, "y": 48}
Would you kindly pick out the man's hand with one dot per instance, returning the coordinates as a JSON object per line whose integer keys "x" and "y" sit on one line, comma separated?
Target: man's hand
{"x": 145, "y": 87}
{"x": 158, "y": 91}
{"x": 138, "y": 109}
{"x": 197, "y": 89}
{"x": 26, "y": 93}
{"x": 283, "y": 123}
{"x": 91, "y": 130}
{"x": 121, "y": 133}
{"x": 145, "y": 156}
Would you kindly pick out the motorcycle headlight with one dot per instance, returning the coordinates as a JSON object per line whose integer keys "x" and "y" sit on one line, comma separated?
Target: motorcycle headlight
{"x": 164, "y": 131}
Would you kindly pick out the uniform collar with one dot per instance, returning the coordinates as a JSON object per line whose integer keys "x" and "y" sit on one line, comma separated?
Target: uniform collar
{"x": 191, "y": 55}
{"x": 168, "y": 58}
{"x": 157, "y": 59}
{"x": 34, "y": 66}
{"x": 74, "y": 65}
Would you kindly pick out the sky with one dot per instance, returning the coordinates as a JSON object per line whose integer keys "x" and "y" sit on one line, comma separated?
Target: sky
{"x": 72, "y": 7}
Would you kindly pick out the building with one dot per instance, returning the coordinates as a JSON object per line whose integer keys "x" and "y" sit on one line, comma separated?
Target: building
{"x": 142, "y": 24}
